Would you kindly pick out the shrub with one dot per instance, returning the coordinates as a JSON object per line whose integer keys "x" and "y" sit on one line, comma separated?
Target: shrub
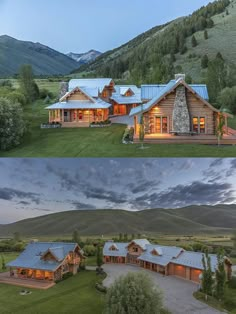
{"x": 12, "y": 125}
{"x": 17, "y": 97}
{"x": 89, "y": 250}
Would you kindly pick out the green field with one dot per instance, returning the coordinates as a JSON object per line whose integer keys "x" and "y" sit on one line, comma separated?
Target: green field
{"x": 74, "y": 295}
{"x": 89, "y": 142}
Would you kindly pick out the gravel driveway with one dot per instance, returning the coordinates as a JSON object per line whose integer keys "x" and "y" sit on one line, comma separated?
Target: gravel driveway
{"x": 178, "y": 296}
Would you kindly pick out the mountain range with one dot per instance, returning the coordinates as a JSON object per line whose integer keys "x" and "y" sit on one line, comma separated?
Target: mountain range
{"x": 44, "y": 60}
{"x": 220, "y": 219}
{"x": 84, "y": 58}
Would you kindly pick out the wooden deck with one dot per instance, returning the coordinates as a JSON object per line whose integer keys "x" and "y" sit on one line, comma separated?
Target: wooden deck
{"x": 27, "y": 283}
{"x": 195, "y": 139}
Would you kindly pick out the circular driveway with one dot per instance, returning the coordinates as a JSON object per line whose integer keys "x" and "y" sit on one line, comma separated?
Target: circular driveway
{"x": 178, "y": 293}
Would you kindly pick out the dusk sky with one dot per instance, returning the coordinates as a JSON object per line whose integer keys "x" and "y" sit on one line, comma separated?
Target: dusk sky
{"x": 78, "y": 25}
{"x": 35, "y": 187}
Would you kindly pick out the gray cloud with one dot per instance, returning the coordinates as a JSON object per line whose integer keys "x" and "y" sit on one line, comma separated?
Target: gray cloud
{"x": 9, "y": 194}
{"x": 196, "y": 193}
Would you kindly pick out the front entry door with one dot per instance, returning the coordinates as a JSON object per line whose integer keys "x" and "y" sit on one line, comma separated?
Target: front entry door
{"x": 162, "y": 125}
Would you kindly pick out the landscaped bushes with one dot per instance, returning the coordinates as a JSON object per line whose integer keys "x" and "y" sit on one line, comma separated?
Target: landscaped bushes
{"x": 101, "y": 123}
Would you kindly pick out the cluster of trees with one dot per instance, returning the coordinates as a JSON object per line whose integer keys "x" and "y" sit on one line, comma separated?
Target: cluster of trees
{"x": 11, "y": 246}
{"x": 13, "y": 102}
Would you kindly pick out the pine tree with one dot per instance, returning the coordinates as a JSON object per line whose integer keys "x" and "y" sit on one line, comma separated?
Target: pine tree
{"x": 206, "y": 34}
{"x": 204, "y": 62}
{"x": 220, "y": 276}
{"x": 99, "y": 257}
{"x": 194, "y": 41}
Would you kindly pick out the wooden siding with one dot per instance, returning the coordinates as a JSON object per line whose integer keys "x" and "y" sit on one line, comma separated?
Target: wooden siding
{"x": 165, "y": 109}
{"x": 78, "y": 96}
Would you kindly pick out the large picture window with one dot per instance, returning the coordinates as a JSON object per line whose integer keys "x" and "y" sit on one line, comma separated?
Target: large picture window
{"x": 199, "y": 125}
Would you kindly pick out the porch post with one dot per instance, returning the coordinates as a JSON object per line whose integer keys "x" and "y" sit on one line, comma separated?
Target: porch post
{"x": 62, "y": 118}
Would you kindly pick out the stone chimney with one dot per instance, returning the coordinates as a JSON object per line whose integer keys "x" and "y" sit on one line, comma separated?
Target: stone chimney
{"x": 180, "y": 76}
{"x": 181, "y": 117}
{"x": 63, "y": 89}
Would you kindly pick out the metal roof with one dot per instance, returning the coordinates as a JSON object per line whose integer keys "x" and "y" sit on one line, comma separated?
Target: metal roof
{"x": 166, "y": 254}
{"x": 121, "y": 249}
{"x": 76, "y": 104}
{"x": 161, "y": 91}
{"x": 31, "y": 256}
{"x": 145, "y": 107}
{"x": 99, "y": 83}
{"x": 141, "y": 242}
{"x": 194, "y": 260}
{"x": 120, "y": 90}
{"x": 150, "y": 91}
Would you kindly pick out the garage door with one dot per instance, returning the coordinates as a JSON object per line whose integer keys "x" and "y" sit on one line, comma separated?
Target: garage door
{"x": 180, "y": 271}
{"x": 194, "y": 274}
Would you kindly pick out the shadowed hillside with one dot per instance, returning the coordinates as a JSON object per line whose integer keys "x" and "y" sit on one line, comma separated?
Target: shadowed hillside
{"x": 45, "y": 61}
{"x": 189, "y": 220}
{"x": 156, "y": 54}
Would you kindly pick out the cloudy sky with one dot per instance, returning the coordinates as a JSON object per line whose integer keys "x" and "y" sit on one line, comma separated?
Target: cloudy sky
{"x": 78, "y": 25}
{"x": 33, "y": 187}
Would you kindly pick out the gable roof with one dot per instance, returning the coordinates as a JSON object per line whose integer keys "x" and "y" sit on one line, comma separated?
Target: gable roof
{"x": 31, "y": 257}
{"x": 140, "y": 242}
{"x": 150, "y": 91}
{"x": 120, "y": 91}
{"x": 75, "y": 90}
{"x": 121, "y": 249}
{"x": 194, "y": 260}
{"x": 98, "y": 83}
{"x": 167, "y": 254}
{"x": 90, "y": 103}
{"x": 163, "y": 92}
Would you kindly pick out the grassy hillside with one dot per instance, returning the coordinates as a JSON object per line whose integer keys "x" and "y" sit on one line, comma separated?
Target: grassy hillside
{"x": 190, "y": 220}
{"x": 45, "y": 61}
{"x": 152, "y": 49}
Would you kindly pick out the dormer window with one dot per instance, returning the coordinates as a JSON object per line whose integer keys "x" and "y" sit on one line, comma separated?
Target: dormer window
{"x": 135, "y": 249}
{"x": 113, "y": 248}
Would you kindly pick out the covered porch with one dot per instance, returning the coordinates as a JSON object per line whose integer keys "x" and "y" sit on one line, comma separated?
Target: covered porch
{"x": 78, "y": 116}
{"x": 37, "y": 274}
{"x": 6, "y": 278}
{"x": 154, "y": 267}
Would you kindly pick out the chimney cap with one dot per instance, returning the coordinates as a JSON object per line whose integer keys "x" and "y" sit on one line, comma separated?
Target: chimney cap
{"x": 180, "y": 76}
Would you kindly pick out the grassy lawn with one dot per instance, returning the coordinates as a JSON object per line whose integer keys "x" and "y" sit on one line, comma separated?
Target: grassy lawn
{"x": 74, "y": 295}
{"x": 105, "y": 142}
{"x": 91, "y": 261}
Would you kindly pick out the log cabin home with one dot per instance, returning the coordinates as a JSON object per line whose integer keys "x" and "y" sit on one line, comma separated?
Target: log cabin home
{"x": 166, "y": 260}
{"x": 125, "y": 98}
{"x": 84, "y": 101}
{"x": 47, "y": 261}
{"x": 176, "y": 108}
